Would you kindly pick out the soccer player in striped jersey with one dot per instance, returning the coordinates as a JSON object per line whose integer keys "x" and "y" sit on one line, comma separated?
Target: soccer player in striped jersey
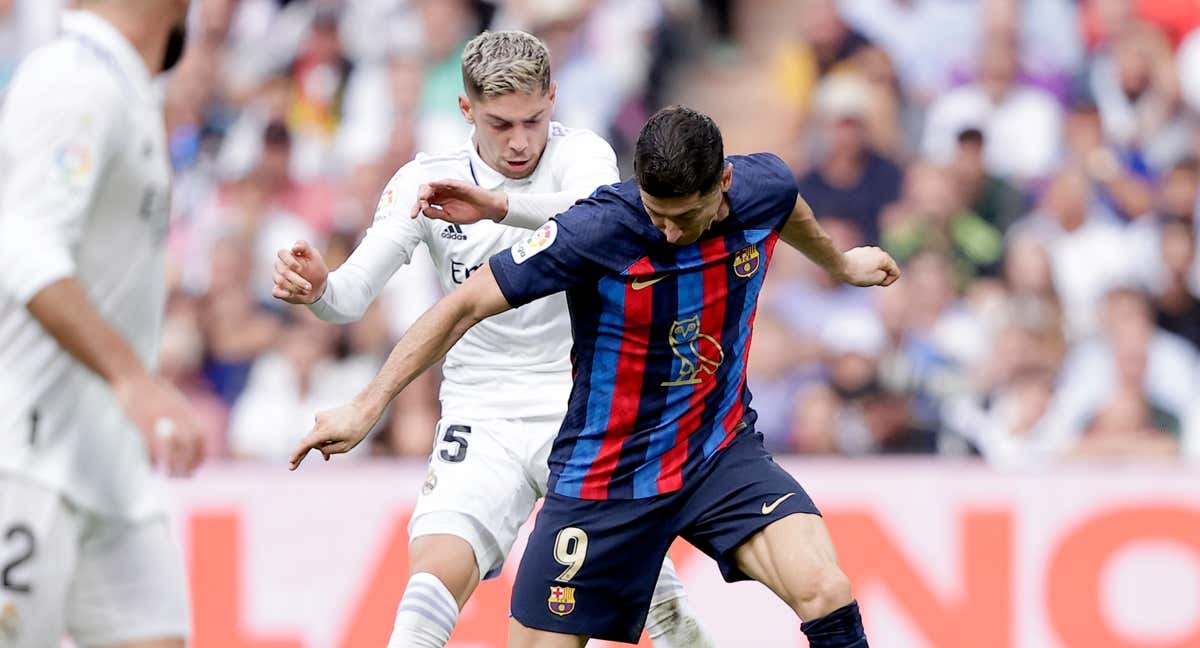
{"x": 662, "y": 275}
{"x": 505, "y": 385}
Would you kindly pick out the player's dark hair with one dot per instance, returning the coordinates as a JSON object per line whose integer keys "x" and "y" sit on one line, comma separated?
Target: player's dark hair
{"x": 679, "y": 152}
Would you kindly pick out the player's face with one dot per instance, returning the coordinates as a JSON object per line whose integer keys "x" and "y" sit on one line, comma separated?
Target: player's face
{"x": 683, "y": 220}
{"x": 511, "y": 130}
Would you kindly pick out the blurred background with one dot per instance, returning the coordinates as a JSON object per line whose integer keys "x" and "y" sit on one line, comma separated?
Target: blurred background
{"x": 1032, "y": 164}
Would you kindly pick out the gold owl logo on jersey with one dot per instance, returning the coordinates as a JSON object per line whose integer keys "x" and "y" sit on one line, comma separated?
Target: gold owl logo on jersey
{"x": 698, "y": 353}
{"x": 430, "y": 482}
{"x": 746, "y": 262}
{"x": 562, "y": 600}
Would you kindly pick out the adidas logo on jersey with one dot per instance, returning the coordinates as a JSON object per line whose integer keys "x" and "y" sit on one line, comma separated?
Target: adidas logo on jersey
{"x": 454, "y": 232}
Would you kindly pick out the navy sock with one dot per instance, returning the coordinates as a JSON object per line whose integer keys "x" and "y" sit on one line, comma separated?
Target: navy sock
{"x": 841, "y": 628}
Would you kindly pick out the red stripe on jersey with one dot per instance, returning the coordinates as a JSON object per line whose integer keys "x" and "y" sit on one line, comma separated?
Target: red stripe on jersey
{"x": 627, "y": 392}
{"x": 712, "y": 321}
{"x": 735, "y": 414}
{"x": 641, "y": 267}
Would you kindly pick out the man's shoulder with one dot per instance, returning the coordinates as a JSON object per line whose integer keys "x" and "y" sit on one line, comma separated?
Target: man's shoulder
{"x": 610, "y": 223}
{"x": 568, "y": 143}
{"x": 426, "y": 167}
{"x": 453, "y": 161}
{"x": 62, "y": 70}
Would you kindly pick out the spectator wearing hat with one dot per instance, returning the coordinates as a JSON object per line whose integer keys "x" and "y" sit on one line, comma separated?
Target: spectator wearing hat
{"x": 851, "y": 182}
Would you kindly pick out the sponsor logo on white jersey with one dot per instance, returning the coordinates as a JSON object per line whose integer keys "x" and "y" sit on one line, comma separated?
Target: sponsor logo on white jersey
{"x": 454, "y": 232}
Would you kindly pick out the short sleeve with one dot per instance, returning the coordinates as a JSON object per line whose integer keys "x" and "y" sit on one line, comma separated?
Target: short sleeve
{"x": 58, "y": 135}
{"x": 393, "y": 213}
{"x": 763, "y": 193}
{"x": 577, "y": 247}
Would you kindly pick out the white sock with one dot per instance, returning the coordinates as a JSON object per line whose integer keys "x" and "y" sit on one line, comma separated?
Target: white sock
{"x": 426, "y": 614}
{"x": 670, "y": 622}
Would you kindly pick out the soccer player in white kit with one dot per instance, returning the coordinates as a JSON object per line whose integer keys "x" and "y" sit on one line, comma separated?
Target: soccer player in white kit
{"x": 506, "y": 383}
{"x": 85, "y": 548}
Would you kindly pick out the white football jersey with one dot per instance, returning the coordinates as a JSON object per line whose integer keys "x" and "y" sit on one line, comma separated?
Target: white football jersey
{"x": 84, "y": 181}
{"x": 516, "y": 364}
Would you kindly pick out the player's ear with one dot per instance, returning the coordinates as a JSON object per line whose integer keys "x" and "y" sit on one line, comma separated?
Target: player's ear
{"x": 726, "y": 177}
{"x": 553, "y": 92}
{"x": 464, "y": 106}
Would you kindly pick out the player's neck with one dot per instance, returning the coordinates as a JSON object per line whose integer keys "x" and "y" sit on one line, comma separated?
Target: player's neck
{"x": 146, "y": 35}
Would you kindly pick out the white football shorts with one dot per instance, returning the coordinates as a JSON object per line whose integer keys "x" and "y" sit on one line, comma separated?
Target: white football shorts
{"x": 66, "y": 571}
{"x": 485, "y": 475}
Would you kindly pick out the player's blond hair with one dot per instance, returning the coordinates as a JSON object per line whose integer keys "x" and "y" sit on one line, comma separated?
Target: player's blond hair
{"x": 505, "y": 62}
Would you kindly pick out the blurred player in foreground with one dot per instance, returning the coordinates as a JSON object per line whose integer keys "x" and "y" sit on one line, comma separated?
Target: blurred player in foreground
{"x": 663, "y": 276}
{"x": 85, "y": 548}
{"x": 506, "y": 383}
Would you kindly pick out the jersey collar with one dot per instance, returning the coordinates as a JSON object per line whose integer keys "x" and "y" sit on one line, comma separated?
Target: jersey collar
{"x": 109, "y": 43}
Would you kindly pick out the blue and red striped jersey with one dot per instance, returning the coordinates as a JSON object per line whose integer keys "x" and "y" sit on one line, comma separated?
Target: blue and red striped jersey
{"x": 661, "y": 331}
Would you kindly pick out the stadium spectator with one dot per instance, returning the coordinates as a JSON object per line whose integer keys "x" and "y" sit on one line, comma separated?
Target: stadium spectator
{"x": 288, "y": 385}
{"x": 1088, "y": 249}
{"x": 851, "y": 181}
{"x": 1022, "y": 125}
{"x": 1119, "y": 175}
{"x": 931, "y": 216}
{"x": 826, "y": 45}
{"x": 1176, "y": 306}
{"x": 990, "y": 197}
{"x": 1137, "y": 91}
{"x": 1130, "y": 356}
{"x": 236, "y": 330}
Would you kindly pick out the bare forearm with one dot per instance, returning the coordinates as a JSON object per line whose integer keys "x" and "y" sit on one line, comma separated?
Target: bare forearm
{"x": 426, "y": 342}
{"x": 805, "y": 234}
{"x": 64, "y": 310}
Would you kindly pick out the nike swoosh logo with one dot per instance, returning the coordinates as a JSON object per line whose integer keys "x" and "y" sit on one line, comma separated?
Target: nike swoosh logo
{"x": 639, "y": 284}
{"x": 768, "y": 508}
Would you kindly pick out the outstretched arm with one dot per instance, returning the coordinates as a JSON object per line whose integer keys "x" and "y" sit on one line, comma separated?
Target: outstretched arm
{"x": 588, "y": 164}
{"x": 427, "y": 341}
{"x": 862, "y": 266}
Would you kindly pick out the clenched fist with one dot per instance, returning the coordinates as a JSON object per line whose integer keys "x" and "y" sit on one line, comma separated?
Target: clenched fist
{"x": 299, "y": 274}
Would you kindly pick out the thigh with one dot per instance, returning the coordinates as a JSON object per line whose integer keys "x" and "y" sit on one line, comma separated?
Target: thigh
{"x": 590, "y": 566}
{"x": 741, "y": 493}
{"x": 791, "y": 556}
{"x": 477, "y": 489}
{"x": 38, "y": 553}
{"x": 521, "y": 637}
{"x": 130, "y": 587}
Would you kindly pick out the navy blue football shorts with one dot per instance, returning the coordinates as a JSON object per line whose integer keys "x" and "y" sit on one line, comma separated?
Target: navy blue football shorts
{"x": 591, "y": 565}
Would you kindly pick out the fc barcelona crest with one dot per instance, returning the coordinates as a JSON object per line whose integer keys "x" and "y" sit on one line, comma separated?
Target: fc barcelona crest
{"x": 562, "y": 600}
{"x": 746, "y": 262}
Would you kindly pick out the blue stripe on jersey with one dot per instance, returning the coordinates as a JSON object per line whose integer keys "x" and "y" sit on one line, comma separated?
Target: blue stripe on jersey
{"x": 731, "y": 392}
{"x": 601, "y": 383}
{"x": 690, "y": 288}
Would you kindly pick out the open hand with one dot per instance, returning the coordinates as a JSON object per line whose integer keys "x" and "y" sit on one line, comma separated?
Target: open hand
{"x": 459, "y": 202}
{"x": 166, "y": 421}
{"x": 336, "y": 431}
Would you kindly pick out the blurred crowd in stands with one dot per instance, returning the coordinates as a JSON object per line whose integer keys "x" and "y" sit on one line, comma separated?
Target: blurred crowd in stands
{"x": 1032, "y": 164}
